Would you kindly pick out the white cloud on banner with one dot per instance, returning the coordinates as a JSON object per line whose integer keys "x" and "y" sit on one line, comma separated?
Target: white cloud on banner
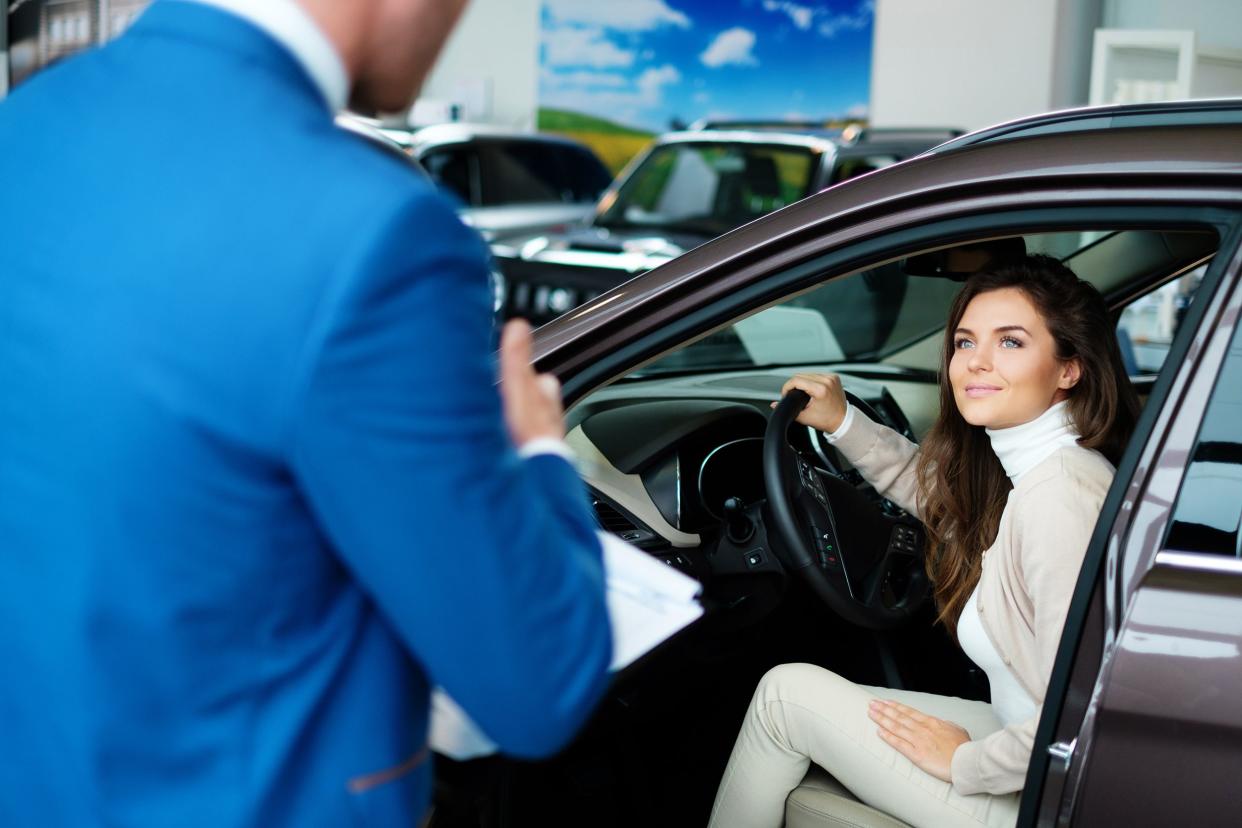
{"x": 731, "y": 47}
{"x": 584, "y": 79}
{"x": 607, "y": 92}
{"x": 802, "y": 16}
{"x": 652, "y": 81}
{"x": 822, "y": 17}
{"x": 622, "y": 15}
{"x": 858, "y": 110}
{"x": 860, "y": 19}
{"x": 574, "y": 46}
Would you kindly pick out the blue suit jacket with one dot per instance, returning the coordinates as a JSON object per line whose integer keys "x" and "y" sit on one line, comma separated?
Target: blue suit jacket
{"x": 256, "y": 492}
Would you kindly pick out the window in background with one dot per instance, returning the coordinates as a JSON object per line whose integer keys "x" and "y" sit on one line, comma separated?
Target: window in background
{"x": 42, "y": 32}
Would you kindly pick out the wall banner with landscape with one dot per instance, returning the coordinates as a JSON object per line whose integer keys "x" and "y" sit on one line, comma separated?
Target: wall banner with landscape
{"x": 614, "y": 74}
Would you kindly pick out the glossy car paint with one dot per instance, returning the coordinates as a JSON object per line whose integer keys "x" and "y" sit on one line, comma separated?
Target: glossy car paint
{"x": 1168, "y": 727}
{"x": 1130, "y": 687}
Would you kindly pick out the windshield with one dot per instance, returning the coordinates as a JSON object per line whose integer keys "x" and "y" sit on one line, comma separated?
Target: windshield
{"x": 710, "y": 188}
{"x": 865, "y": 316}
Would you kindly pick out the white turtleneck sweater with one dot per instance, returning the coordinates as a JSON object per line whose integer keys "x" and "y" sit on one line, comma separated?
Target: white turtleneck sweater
{"x": 1020, "y": 448}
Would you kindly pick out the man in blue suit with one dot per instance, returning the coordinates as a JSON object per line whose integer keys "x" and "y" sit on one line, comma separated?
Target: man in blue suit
{"x": 258, "y": 490}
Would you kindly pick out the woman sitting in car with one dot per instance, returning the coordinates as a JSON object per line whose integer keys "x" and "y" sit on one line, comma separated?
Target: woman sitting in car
{"x": 1035, "y": 408}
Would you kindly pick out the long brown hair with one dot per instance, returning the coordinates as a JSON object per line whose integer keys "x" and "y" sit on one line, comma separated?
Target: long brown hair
{"x": 963, "y": 487}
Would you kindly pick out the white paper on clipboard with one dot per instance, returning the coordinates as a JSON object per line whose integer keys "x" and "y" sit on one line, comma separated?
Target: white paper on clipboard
{"x": 648, "y": 602}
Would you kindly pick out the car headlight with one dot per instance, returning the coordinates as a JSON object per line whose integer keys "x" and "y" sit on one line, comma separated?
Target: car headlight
{"x": 560, "y": 300}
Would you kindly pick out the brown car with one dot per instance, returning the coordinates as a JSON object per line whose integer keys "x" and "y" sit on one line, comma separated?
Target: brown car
{"x": 669, "y": 378}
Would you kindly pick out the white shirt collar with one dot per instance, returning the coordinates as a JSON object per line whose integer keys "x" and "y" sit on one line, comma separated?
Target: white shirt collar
{"x": 1023, "y": 447}
{"x": 291, "y": 26}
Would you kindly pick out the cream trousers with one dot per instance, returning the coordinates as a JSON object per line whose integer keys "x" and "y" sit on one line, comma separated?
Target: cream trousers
{"x": 801, "y": 713}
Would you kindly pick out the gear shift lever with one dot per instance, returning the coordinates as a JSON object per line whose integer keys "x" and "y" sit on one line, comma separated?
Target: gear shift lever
{"x": 738, "y": 525}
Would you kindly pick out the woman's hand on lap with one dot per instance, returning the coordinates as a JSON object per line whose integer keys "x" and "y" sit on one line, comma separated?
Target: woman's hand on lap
{"x": 827, "y": 407}
{"x": 926, "y": 741}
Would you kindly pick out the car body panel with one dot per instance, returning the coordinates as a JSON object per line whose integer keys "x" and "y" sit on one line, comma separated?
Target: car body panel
{"x": 1168, "y": 723}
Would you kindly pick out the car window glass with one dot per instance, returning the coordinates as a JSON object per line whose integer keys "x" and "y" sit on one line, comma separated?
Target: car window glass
{"x": 848, "y": 168}
{"x": 710, "y": 188}
{"x": 585, "y": 176}
{"x": 866, "y": 315}
{"x": 877, "y": 312}
{"x": 519, "y": 172}
{"x": 527, "y": 171}
{"x": 1148, "y": 325}
{"x": 1208, "y": 509}
{"x": 454, "y": 169}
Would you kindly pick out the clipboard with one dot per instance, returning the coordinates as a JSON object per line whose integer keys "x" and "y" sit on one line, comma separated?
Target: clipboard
{"x": 648, "y": 603}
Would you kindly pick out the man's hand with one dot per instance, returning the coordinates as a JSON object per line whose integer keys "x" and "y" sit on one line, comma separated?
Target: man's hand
{"x": 926, "y": 741}
{"x": 826, "y": 408}
{"x": 532, "y": 401}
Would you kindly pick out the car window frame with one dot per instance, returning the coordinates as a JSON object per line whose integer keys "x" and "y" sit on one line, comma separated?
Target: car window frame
{"x": 872, "y": 251}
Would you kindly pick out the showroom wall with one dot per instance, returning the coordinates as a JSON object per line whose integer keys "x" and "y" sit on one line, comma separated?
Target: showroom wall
{"x": 490, "y": 66}
{"x": 971, "y": 63}
{"x": 1217, "y": 22}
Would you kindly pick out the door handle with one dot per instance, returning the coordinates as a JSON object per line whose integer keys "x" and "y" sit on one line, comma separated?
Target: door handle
{"x": 1063, "y": 752}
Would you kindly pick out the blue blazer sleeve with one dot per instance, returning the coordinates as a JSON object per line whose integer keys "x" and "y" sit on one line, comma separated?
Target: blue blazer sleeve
{"x": 486, "y": 566}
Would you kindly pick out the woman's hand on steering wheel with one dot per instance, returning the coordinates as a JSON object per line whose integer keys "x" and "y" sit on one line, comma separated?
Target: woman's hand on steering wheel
{"x": 827, "y": 407}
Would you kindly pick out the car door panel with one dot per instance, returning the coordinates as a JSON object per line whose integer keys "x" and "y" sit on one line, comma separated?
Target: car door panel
{"x": 1168, "y": 722}
{"x": 1102, "y": 715}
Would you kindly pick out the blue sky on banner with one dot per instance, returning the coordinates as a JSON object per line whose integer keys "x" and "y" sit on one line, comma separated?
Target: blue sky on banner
{"x": 644, "y": 62}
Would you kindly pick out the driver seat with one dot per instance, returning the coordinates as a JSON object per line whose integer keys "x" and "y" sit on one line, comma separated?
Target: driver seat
{"x": 823, "y": 802}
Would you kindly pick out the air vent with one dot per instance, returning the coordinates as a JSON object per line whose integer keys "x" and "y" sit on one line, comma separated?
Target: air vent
{"x": 610, "y": 519}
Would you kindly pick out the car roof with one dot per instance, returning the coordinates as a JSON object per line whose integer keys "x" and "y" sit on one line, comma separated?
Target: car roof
{"x": 1114, "y": 116}
{"x": 722, "y": 136}
{"x": 457, "y": 132}
{"x": 850, "y": 140}
{"x": 1195, "y": 156}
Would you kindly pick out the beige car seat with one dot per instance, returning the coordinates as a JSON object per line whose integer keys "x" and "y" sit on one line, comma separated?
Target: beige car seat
{"x": 821, "y": 801}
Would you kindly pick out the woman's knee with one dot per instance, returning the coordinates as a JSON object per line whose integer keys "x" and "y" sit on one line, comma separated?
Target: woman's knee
{"x": 792, "y": 682}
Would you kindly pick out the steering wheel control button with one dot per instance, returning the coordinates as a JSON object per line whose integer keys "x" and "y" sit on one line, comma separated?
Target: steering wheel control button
{"x": 755, "y": 558}
{"x": 904, "y": 539}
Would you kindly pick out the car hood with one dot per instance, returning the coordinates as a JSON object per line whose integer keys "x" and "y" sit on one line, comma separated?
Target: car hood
{"x": 632, "y": 249}
{"x": 524, "y": 219}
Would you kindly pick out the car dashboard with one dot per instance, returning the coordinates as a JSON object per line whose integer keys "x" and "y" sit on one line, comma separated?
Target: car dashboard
{"x": 667, "y": 461}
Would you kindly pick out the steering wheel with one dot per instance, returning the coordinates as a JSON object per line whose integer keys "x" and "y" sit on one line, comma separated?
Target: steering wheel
{"x": 865, "y": 565}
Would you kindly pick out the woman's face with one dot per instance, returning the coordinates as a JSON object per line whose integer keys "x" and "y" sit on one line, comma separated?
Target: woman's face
{"x": 1004, "y": 367}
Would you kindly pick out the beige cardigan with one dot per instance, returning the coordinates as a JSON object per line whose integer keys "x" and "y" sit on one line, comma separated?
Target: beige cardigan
{"x": 1027, "y": 579}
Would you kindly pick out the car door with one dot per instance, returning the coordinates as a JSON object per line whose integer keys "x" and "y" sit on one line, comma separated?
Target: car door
{"x": 1143, "y": 719}
{"x": 1134, "y": 178}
